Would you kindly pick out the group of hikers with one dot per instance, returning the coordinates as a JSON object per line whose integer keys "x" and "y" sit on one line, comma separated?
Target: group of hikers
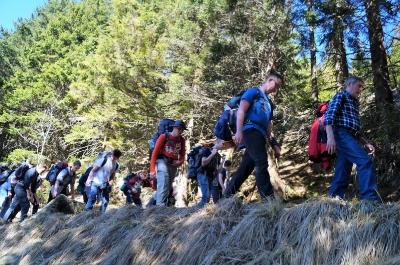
{"x": 253, "y": 132}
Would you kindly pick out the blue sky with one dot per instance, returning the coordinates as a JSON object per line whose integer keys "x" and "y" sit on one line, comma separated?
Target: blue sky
{"x": 11, "y": 10}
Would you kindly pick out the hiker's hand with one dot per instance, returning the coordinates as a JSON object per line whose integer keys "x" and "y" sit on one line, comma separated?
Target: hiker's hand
{"x": 331, "y": 146}
{"x": 277, "y": 151}
{"x": 9, "y": 195}
{"x": 87, "y": 183}
{"x": 238, "y": 138}
{"x": 369, "y": 148}
{"x": 30, "y": 198}
{"x": 134, "y": 190}
{"x": 176, "y": 163}
{"x": 54, "y": 194}
{"x": 153, "y": 175}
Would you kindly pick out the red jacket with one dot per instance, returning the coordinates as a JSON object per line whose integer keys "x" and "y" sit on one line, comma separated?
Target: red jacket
{"x": 317, "y": 145}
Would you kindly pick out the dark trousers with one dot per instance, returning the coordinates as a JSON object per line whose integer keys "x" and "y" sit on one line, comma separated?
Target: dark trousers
{"x": 242, "y": 173}
{"x": 254, "y": 156}
{"x": 20, "y": 199}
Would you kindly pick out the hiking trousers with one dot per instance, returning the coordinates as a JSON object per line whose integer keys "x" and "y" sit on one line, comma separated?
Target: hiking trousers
{"x": 256, "y": 147}
{"x": 95, "y": 191}
{"x": 206, "y": 186}
{"x": 349, "y": 153}
{"x": 20, "y": 199}
{"x": 165, "y": 177}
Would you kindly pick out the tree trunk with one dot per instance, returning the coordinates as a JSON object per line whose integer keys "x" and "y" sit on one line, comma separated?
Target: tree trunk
{"x": 341, "y": 67}
{"x": 313, "y": 57}
{"x": 383, "y": 93}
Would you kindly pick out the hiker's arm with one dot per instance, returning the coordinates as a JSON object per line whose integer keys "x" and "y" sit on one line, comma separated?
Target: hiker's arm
{"x": 330, "y": 143}
{"x": 112, "y": 177}
{"x": 221, "y": 181}
{"x": 367, "y": 146}
{"x": 55, "y": 191}
{"x": 272, "y": 141}
{"x": 243, "y": 107}
{"x": 220, "y": 165}
{"x": 206, "y": 160}
{"x": 90, "y": 177}
{"x": 72, "y": 190}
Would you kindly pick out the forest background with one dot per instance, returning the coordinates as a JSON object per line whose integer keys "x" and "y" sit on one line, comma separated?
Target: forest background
{"x": 80, "y": 77}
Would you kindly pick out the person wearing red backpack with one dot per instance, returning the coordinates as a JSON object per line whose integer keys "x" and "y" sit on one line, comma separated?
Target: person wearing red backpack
{"x": 343, "y": 124}
{"x": 167, "y": 156}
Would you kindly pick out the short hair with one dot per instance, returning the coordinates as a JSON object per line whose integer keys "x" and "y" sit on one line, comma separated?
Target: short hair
{"x": 227, "y": 163}
{"x": 276, "y": 75}
{"x": 117, "y": 153}
{"x": 77, "y": 163}
{"x": 353, "y": 80}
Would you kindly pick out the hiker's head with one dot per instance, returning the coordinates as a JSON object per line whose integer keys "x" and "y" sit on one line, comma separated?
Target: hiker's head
{"x": 179, "y": 126}
{"x": 273, "y": 83}
{"x": 228, "y": 165}
{"x": 143, "y": 174}
{"x": 41, "y": 168}
{"x": 76, "y": 166}
{"x": 354, "y": 85}
{"x": 116, "y": 154}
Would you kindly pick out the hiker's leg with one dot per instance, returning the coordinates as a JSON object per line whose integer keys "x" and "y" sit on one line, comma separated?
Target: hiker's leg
{"x": 92, "y": 196}
{"x": 6, "y": 205}
{"x": 23, "y": 201}
{"x": 163, "y": 184}
{"x": 204, "y": 184}
{"x": 341, "y": 178}
{"x": 216, "y": 194}
{"x": 129, "y": 199}
{"x": 255, "y": 144}
{"x": 105, "y": 198}
{"x": 138, "y": 203}
{"x": 242, "y": 173}
{"x": 348, "y": 147}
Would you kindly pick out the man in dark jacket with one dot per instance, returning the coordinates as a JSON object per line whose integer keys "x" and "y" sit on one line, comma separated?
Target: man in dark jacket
{"x": 25, "y": 191}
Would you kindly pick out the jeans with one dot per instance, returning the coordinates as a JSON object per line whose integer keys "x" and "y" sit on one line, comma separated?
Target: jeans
{"x": 21, "y": 199}
{"x": 216, "y": 194}
{"x": 255, "y": 143}
{"x": 206, "y": 187}
{"x": 94, "y": 192}
{"x": 5, "y": 206}
{"x": 349, "y": 153}
{"x": 3, "y": 193}
{"x": 130, "y": 200}
{"x": 242, "y": 173}
{"x": 165, "y": 177}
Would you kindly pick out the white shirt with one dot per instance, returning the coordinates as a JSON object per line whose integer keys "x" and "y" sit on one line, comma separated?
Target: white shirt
{"x": 104, "y": 173}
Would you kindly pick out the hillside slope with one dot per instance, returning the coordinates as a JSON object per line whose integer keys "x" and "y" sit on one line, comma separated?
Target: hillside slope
{"x": 318, "y": 231}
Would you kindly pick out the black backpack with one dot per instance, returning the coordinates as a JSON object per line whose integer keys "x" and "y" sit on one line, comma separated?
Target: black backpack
{"x": 54, "y": 171}
{"x": 165, "y": 126}
{"x": 21, "y": 170}
{"x": 194, "y": 159}
{"x": 226, "y": 124}
{"x": 5, "y": 172}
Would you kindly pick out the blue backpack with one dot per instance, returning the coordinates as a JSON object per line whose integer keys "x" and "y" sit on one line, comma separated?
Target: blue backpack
{"x": 226, "y": 124}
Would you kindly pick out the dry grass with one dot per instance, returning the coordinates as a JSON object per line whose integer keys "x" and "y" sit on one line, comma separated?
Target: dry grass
{"x": 319, "y": 231}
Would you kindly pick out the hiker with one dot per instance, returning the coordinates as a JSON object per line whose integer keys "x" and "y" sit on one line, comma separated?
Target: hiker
{"x": 219, "y": 186}
{"x": 25, "y": 192}
{"x": 101, "y": 178}
{"x": 253, "y": 129}
{"x": 5, "y": 188}
{"x": 166, "y": 157}
{"x": 342, "y": 121}
{"x": 134, "y": 186}
{"x": 210, "y": 165}
{"x": 66, "y": 177}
